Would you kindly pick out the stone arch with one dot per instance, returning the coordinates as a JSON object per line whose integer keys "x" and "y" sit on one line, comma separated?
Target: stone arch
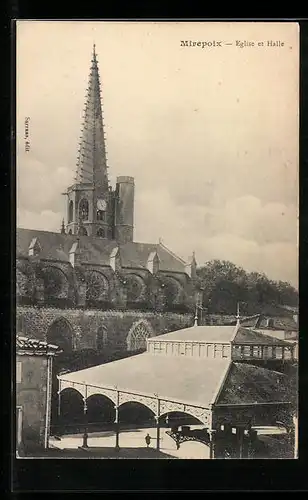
{"x": 70, "y": 211}
{"x": 97, "y": 289}
{"x": 60, "y": 333}
{"x": 83, "y": 209}
{"x": 55, "y": 281}
{"x": 136, "y": 288}
{"x": 138, "y": 334}
{"x": 174, "y": 292}
{"x": 101, "y": 338}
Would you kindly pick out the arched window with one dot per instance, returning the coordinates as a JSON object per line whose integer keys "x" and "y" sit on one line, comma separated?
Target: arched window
{"x": 70, "y": 232}
{"x": 55, "y": 283}
{"x": 137, "y": 336}
{"x": 70, "y": 211}
{"x": 60, "y": 333}
{"x": 136, "y": 288}
{"x": 97, "y": 287}
{"x": 82, "y": 231}
{"x": 101, "y": 233}
{"x": 84, "y": 209}
{"x": 101, "y": 215}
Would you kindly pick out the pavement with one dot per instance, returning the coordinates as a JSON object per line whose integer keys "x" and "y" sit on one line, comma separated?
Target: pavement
{"x": 132, "y": 445}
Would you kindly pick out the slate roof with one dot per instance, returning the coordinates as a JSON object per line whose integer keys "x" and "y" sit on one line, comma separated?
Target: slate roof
{"x": 35, "y": 346}
{"x": 56, "y": 246}
{"x": 246, "y": 384}
{"x": 179, "y": 379}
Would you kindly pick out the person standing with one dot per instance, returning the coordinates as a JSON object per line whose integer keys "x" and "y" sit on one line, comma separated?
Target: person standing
{"x": 148, "y": 440}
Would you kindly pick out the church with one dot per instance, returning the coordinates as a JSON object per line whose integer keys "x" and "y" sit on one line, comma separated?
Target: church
{"x": 90, "y": 288}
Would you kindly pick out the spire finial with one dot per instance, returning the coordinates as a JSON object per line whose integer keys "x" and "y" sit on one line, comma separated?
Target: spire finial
{"x": 62, "y": 227}
{"x": 238, "y": 317}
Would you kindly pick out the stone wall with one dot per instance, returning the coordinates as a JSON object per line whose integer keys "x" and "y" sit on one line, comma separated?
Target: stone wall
{"x": 31, "y": 387}
{"x": 84, "y": 324}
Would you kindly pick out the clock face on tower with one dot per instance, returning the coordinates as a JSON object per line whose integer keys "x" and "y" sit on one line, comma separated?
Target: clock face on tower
{"x": 101, "y": 204}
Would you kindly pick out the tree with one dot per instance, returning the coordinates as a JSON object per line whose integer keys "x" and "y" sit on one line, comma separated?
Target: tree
{"x": 224, "y": 284}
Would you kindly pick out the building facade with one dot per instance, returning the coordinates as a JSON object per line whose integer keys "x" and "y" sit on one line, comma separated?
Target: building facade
{"x": 34, "y": 361}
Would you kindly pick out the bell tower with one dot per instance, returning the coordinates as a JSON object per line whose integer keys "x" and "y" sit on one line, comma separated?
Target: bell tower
{"x": 93, "y": 207}
{"x": 89, "y": 200}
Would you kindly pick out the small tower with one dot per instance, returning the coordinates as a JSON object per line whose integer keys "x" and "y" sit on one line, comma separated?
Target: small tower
{"x": 124, "y": 209}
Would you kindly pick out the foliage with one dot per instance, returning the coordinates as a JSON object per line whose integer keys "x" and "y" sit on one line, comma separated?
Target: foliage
{"x": 224, "y": 284}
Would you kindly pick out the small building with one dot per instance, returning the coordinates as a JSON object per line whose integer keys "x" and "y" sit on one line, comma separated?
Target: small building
{"x": 281, "y": 327}
{"x": 33, "y": 392}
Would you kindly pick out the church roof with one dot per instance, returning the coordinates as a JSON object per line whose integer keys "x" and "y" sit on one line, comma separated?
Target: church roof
{"x": 223, "y": 334}
{"x": 56, "y": 246}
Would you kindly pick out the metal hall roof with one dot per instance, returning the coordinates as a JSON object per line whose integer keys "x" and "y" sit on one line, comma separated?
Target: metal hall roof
{"x": 220, "y": 334}
{"x": 181, "y": 379}
{"x": 193, "y": 381}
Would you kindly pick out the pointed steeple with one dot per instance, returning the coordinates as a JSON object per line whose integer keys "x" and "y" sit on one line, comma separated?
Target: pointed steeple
{"x": 92, "y": 160}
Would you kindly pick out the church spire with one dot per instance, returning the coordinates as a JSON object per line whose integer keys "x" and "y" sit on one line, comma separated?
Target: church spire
{"x": 92, "y": 160}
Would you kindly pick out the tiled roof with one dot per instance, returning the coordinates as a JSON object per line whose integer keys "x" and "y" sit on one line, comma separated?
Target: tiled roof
{"x": 56, "y": 246}
{"x": 35, "y": 346}
{"x": 179, "y": 379}
{"x": 247, "y": 336}
{"x": 248, "y": 384}
{"x": 199, "y": 333}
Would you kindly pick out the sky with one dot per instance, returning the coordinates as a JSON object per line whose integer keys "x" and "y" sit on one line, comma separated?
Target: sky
{"x": 209, "y": 132}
